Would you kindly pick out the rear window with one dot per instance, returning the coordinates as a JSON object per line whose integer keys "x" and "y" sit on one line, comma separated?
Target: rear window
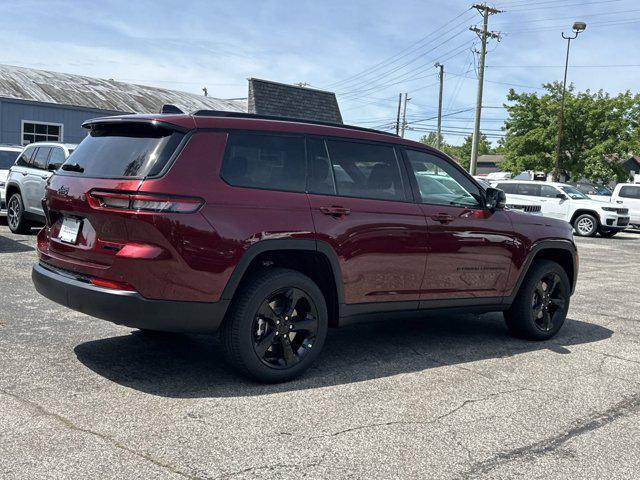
{"x": 125, "y": 150}
{"x": 7, "y": 159}
{"x": 630, "y": 192}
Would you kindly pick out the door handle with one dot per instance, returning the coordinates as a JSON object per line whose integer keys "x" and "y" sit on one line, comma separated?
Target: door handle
{"x": 442, "y": 217}
{"x": 24, "y": 174}
{"x": 335, "y": 211}
{"x": 44, "y": 177}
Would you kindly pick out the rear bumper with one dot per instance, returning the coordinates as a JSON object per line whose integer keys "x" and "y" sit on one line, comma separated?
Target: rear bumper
{"x": 127, "y": 308}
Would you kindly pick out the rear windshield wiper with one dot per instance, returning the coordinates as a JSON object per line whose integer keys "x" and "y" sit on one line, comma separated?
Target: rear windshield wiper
{"x": 72, "y": 167}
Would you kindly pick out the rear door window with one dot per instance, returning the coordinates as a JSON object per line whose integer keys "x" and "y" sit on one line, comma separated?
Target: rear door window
{"x": 124, "y": 150}
{"x": 366, "y": 170}
{"x": 271, "y": 162}
{"x": 321, "y": 178}
{"x": 529, "y": 189}
{"x": 39, "y": 160}
{"x": 507, "y": 187}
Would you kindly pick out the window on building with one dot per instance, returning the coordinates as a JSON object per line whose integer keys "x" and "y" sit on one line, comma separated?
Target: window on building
{"x": 41, "y": 132}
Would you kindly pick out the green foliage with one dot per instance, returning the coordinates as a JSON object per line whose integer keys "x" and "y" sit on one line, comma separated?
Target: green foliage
{"x": 462, "y": 153}
{"x": 597, "y": 129}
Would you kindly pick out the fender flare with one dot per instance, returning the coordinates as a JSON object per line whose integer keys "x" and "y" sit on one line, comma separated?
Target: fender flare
{"x": 537, "y": 248}
{"x": 309, "y": 245}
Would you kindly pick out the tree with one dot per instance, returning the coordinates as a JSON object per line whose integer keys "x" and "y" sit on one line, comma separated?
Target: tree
{"x": 597, "y": 129}
{"x": 462, "y": 153}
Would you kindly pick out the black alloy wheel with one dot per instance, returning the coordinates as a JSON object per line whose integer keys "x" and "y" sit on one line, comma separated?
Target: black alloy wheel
{"x": 285, "y": 328}
{"x": 548, "y": 302}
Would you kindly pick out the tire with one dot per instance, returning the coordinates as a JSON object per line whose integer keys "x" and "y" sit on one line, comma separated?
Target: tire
{"x": 585, "y": 225}
{"x": 608, "y": 233}
{"x": 15, "y": 215}
{"x": 526, "y": 318}
{"x": 269, "y": 309}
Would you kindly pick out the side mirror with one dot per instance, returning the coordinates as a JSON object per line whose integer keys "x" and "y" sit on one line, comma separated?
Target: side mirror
{"x": 496, "y": 199}
{"x": 561, "y": 196}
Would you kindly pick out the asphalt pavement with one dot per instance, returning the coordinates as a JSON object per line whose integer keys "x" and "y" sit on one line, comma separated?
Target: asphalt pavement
{"x": 440, "y": 397}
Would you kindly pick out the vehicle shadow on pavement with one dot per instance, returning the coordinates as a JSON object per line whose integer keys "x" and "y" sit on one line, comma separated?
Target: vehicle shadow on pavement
{"x": 8, "y": 245}
{"x": 191, "y": 366}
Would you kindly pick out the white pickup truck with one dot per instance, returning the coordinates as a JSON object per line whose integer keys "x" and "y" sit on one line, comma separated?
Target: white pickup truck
{"x": 565, "y": 202}
{"x": 628, "y": 194}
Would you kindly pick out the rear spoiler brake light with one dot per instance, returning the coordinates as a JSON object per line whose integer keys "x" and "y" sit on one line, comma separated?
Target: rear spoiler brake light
{"x": 143, "y": 202}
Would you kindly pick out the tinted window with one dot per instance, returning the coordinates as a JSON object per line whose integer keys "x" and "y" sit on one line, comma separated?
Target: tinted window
{"x": 25, "y": 157}
{"x": 365, "y": 170}
{"x": 530, "y": 189}
{"x": 548, "y": 191}
{"x": 507, "y": 187}
{"x": 39, "y": 160}
{"x": 321, "y": 179}
{"x": 441, "y": 183}
{"x": 273, "y": 162}
{"x": 630, "y": 192}
{"x": 56, "y": 159}
{"x": 7, "y": 159}
{"x": 122, "y": 151}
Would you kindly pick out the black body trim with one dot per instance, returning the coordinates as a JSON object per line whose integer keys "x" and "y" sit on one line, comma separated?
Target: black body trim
{"x": 127, "y": 308}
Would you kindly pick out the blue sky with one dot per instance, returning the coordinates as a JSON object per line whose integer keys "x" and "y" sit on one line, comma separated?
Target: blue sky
{"x": 328, "y": 44}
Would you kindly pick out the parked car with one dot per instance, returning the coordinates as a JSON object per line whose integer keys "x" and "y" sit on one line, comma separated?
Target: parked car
{"x": 562, "y": 201}
{"x": 238, "y": 223}
{"x": 27, "y": 180}
{"x": 8, "y": 155}
{"x": 628, "y": 194}
{"x": 523, "y": 205}
{"x": 596, "y": 192}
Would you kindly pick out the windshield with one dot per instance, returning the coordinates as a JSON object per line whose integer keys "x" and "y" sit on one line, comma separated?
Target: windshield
{"x": 125, "y": 150}
{"x": 574, "y": 193}
{"x": 7, "y": 159}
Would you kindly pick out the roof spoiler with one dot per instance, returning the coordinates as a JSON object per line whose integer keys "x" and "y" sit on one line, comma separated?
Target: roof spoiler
{"x": 168, "y": 108}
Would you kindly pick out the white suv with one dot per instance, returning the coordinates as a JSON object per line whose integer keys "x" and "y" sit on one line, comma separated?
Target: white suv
{"x": 27, "y": 181}
{"x": 8, "y": 155}
{"x": 629, "y": 195}
{"x": 565, "y": 202}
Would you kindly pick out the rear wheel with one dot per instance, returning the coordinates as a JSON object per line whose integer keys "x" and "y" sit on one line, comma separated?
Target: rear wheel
{"x": 586, "y": 225}
{"x": 540, "y": 307}
{"x": 15, "y": 215}
{"x": 276, "y": 326}
{"x": 608, "y": 233}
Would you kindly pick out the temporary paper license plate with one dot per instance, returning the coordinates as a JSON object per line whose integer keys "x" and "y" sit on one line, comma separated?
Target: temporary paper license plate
{"x": 69, "y": 230}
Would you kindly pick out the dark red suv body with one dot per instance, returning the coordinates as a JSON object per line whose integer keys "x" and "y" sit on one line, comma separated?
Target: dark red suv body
{"x": 170, "y": 219}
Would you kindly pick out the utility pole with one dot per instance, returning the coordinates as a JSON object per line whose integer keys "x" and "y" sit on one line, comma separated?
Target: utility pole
{"x": 484, "y": 34}
{"x": 441, "y": 75}
{"x": 398, "y": 117}
{"x": 404, "y": 115}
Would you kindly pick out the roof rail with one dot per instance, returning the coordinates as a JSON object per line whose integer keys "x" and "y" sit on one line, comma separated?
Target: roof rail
{"x": 222, "y": 113}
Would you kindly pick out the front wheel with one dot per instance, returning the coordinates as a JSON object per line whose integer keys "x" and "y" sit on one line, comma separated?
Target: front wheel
{"x": 540, "y": 307}
{"x": 15, "y": 215}
{"x": 586, "y": 225}
{"x": 276, "y": 325}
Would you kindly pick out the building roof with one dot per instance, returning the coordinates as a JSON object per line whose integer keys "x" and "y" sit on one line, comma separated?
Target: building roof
{"x": 80, "y": 91}
{"x": 279, "y": 99}
{"x": 490, "y": 159}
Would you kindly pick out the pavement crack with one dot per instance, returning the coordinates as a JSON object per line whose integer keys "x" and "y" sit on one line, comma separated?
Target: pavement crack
{"x": 420, "y": 422}
{"x": 72, "y": 426}
{"x": 555, "y": 443}
{"x": 271, "y": 467}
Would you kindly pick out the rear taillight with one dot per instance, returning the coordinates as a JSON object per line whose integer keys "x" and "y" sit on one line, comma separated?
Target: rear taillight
{"x": 112, "y": 284}
{"x": 142, "y": 202}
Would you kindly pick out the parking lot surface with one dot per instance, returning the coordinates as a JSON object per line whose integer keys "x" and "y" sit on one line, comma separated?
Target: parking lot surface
{"x": 440, "y": 397}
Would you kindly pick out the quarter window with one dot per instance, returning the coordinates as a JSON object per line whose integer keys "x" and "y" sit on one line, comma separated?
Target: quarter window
{"x": 440, "y": 183}
{"x": 366, "y": 170}
{"x": 273, "y": 162}
{"x": 41, "y": 132}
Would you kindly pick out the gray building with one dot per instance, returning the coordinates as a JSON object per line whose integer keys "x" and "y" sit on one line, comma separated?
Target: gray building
{"x": 38, "y": 105}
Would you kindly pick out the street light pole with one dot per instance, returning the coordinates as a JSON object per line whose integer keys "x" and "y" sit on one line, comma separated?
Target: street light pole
{"x": 577, "y": 28}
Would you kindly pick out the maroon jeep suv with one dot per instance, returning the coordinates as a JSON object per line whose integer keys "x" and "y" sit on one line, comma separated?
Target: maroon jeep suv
{"x": 271, "y": 230}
